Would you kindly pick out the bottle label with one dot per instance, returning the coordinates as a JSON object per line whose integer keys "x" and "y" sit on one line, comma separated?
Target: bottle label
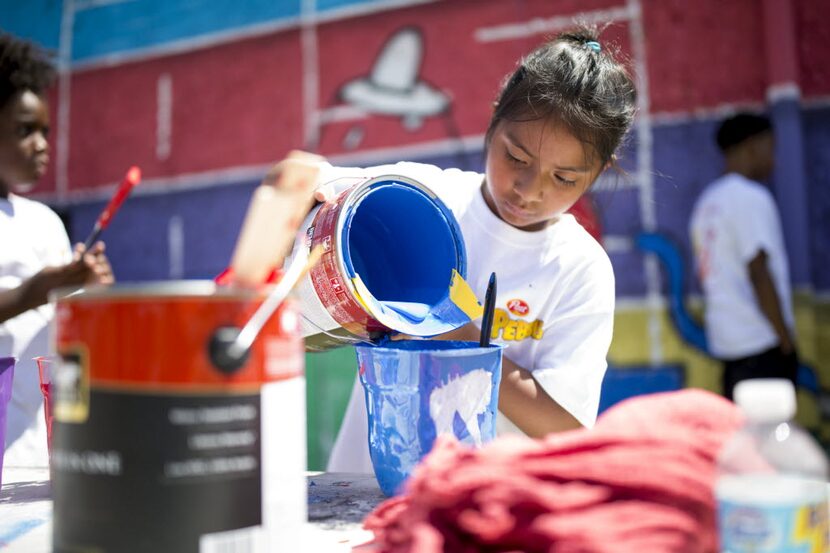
{"x": 773, "y": 528}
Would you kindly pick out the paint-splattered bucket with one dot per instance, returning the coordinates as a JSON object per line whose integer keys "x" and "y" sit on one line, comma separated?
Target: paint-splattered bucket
{"x": 394, "y": 260}
{"x": 154, "y": 448}
{"x": 6, "y": 380}
{"x": 418, "y": 389}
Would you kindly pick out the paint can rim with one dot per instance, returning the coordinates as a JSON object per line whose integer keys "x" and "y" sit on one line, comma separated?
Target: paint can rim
{"x": 163, "y": 288}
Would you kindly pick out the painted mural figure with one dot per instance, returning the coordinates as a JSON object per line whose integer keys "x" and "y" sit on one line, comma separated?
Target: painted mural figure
{"x": 35, "y": 254}
{"x": 742, "y": 261}
{"x": 393, "y": 86}
{"x": 558, "y": 122}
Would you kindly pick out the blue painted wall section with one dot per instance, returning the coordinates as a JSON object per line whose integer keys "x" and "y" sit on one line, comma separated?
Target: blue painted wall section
{"x": 37, "y": 20}
{"x": 127, "y": 26}
{"x": 142, "y": 24}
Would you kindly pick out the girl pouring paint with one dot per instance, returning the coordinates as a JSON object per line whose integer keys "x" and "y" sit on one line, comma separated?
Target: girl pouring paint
{"x": 556, "y": 126}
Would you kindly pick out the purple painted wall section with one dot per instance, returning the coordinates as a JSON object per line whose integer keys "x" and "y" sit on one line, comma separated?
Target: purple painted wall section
{"x": 817, "y": 162}
{"x": 137, "y": 240}
{"x": 686, "y": 159}
{"x": 791, "y": 189}
{"x": 619, "y": 210}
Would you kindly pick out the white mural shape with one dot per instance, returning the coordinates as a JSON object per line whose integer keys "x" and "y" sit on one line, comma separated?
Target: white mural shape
{"x": 393, "y": 86}
{"x": 467, "y": 395}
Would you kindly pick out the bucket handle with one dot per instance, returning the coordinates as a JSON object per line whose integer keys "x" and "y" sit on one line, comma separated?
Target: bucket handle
{"x": 229, "y": 346}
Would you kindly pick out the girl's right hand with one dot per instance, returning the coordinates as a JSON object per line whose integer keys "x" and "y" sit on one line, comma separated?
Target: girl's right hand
{"x": 324, "y": 192}
{"x": 303, "y": 163}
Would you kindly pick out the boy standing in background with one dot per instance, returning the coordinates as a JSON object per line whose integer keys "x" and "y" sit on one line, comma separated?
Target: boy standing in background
{"x": 742, "y": 262}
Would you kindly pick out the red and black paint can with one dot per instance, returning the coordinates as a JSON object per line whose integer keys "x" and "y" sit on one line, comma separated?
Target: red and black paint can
{"x": 154, "y": 447}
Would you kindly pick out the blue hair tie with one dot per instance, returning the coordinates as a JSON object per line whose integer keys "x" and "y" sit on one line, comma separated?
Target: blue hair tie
{"x": 593, "y": 45}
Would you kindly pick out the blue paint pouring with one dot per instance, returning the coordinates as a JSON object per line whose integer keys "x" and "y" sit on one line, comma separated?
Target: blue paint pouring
{"x": 394, "y": 261}
{"x": 418, "y": 389}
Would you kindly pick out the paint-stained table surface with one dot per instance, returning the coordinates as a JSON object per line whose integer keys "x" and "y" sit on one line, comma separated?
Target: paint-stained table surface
{"x": 337, "y": 505}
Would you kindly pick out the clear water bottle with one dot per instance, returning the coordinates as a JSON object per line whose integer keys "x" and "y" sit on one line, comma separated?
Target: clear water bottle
{"x": 772, "y": 489}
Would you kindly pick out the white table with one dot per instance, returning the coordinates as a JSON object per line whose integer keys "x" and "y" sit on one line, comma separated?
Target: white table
{"x": 337, "y": 505}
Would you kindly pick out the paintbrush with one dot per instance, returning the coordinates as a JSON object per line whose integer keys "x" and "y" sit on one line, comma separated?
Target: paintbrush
{"x": 131, "y": 179}
{"x": 489, "y": 308}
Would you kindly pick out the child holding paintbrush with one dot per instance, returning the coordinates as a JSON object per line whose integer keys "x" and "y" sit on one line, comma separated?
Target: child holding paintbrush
{"x": 35, "y": 255}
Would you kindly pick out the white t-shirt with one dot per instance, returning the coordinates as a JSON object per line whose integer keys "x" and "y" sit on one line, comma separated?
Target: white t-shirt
{"x": 32, "y": 237}
{"x": 733, "y": 220}
{"x": 555, "y": 304}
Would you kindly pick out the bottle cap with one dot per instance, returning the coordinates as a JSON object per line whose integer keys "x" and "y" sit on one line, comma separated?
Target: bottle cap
{"x": 766, "y": 399}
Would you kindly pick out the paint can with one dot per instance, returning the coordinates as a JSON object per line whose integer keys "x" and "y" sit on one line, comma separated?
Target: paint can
{"x": 155, "y": 448}
{"x": 418, "y": 389}
{"x": 394, "y": 261}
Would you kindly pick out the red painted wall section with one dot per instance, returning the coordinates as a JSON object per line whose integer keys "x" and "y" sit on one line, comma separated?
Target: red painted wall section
{"x": 235, "y": 104}
{"x": 454, "y": 62}
{"x": 779, "y": 30}
{"x": 813, "y": 35}
{"x": 703, "y": 57}
{"x": 241, "y": 103}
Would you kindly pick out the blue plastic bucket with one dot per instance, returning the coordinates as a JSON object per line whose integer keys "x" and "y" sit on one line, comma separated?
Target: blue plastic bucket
{"x": 6, "y": 381}
{"x": 393, "y": 253}
{"x": 418, "y": 389}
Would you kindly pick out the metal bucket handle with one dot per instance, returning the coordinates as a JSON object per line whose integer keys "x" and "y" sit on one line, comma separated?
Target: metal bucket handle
{"x": 230, "y": 346}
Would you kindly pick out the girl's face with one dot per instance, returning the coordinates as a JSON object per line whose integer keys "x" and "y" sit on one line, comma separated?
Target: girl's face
{"x": 536, "y": 170}
{"x": 24, "y": 151}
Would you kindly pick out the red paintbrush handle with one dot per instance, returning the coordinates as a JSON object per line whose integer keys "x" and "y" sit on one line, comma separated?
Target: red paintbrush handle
{"x": 132, "y": 178}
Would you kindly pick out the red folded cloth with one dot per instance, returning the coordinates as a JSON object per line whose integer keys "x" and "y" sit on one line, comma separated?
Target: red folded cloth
{"x": 640, "y": 481}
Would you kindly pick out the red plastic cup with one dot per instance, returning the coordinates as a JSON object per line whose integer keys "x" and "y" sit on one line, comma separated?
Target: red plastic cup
{"x": 44, "y": 370}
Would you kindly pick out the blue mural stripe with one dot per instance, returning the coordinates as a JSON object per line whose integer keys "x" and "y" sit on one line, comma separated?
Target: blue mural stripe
{"x": 141, "y": 24}
{"x": 134, "y": 25}
{"x": 36, "y": 20}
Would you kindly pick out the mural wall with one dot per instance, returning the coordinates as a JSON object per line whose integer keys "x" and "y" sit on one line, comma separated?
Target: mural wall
{"x": 204, "y": 95}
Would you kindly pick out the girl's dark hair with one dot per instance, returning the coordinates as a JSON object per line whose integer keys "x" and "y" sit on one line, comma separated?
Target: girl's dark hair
{"x": 575, "y": 80}
{"x": 23, "y": 66}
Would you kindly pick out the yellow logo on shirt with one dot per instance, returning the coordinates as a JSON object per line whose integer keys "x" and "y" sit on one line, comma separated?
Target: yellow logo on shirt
{"x": 514, "y": 330}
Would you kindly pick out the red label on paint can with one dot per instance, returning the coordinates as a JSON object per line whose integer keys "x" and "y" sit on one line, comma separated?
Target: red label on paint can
{"x": 328, "y": 279}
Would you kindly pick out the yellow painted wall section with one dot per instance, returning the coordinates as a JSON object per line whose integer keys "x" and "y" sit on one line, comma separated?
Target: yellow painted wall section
{"x": 631, "y": 346}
